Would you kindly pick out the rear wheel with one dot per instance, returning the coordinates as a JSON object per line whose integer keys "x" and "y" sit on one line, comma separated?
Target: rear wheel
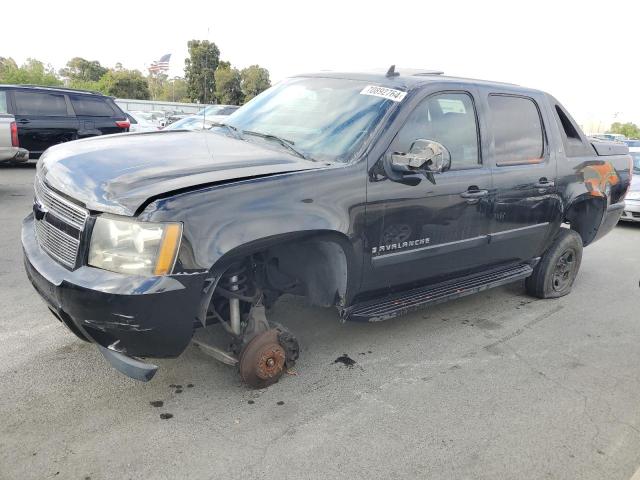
{"x": 555, "y": 273}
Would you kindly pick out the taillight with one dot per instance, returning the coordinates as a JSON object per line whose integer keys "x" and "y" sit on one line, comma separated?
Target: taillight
{"x": 123, "y": 123}
{"x": 14, "y": 134}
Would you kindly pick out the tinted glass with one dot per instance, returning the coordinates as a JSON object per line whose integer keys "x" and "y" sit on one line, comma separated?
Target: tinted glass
{"x": 3, "y": 102}
{"x": 40, "y": 104}
{"x": 92, "y": 107}
{"x": 517, "y": 130}
{"x": 449, "y": 119}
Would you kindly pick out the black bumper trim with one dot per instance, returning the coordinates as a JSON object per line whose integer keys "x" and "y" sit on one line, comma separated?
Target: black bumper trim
{"x": 131, "y": 367}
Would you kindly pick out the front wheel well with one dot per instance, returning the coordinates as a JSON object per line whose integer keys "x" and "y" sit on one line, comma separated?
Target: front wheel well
{"x": 318, "y": 265}
{"x": 317, "y": 268}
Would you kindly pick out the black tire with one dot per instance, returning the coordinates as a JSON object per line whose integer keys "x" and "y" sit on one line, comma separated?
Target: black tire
{"x": 554, "y": 275}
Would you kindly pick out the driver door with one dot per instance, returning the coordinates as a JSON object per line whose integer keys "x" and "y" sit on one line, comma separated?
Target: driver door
{"x": 424, "y": 228}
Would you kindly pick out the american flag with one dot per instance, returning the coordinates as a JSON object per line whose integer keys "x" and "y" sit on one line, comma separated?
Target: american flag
{"x": 161, "y": 65}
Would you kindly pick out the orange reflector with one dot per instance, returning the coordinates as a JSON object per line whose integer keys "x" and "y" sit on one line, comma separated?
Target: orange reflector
{"x": 168, "y": 249}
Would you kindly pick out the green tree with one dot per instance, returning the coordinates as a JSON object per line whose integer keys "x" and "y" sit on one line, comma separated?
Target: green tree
{"x": 125, "y": 84}
{"x": 157, "y": 82}
{"x": 629, "y": 130}
{"x": 7, "y": 63}
{"x": 255, "y": 79}
{"x": 199, "y": 69}
{"x": 228, "y": 88}
{"x": 174, "y": 90}
{"x": 80, "y": 70}
{"x": 31, "y": 72}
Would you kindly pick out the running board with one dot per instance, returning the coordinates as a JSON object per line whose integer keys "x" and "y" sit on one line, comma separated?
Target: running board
{"x": 400, "y": 303}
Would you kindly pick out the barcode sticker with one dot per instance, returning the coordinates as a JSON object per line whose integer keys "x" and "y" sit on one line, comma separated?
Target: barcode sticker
{"x": 384, "y": 92}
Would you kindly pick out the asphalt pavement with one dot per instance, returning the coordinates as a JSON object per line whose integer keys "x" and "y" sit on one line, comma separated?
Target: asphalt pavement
{"x": 491, "y": 386}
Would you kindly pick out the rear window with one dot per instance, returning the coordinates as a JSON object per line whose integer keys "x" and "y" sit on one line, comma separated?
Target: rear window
{"x": 517, "y": 130}
{"x": 3, "y": 102}
{"x": 91, "y": 106}
{"x": 40, "y": 104}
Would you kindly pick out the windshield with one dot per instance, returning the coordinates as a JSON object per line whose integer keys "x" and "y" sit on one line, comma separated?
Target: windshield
{"x": 325, "y": 119}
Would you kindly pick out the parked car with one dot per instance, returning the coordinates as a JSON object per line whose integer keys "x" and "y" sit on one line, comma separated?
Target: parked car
{"x": 609, "y": 137}
{"x": 212, "y": 110}
{"x": 632, "y": 143}
{"x": 174, "y": 117}
{"x": 375, "y": 194}
{"x": 47, "y": 116}
{"x": 140, "y": 124}
{"x": 10, "y": 151}
{"x": 193, "y": 122}
{"x": 214, "y": 113}
{"x": 632, "y": 201}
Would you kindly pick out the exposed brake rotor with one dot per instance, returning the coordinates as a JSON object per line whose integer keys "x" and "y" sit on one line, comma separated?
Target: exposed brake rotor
{"x": 262, "y": 360}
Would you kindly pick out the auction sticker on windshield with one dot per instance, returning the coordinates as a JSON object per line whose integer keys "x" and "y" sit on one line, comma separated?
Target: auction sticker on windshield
{"x": 383, "y": 92}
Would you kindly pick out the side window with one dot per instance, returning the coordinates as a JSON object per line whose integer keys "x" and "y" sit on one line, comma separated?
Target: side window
{"x": 446, "y": 118}
{"x": 573, "y": 143}
{"x": 517, "y": 130}
{"x": 3, "y": 102}
{"x": 91, "y": 107}
{"x": 40, "y": 104}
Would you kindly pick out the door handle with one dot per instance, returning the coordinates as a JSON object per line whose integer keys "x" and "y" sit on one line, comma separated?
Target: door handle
{"x": 473, "y": 195}
{"x": 23, "y": 121}
{"x": 544, "y": 183}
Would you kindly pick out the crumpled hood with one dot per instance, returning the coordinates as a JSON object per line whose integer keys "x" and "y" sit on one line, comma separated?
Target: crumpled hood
{"x": 118, "y": 173}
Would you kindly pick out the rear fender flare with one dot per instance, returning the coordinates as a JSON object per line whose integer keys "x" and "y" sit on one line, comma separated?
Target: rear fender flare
{"x": 585, "y": 215}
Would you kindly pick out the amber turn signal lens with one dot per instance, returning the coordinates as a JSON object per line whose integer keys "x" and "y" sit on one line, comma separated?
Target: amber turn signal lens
{"x": 168, "y": 249}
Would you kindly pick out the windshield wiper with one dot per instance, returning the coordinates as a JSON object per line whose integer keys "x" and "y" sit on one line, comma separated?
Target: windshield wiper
{"x": 282, "y": 141}
{"x": 227, "y": 126}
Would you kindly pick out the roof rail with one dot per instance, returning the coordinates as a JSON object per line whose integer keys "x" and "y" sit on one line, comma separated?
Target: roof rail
{"x": 54, "y": 87}
{"x": 425, "y": 73}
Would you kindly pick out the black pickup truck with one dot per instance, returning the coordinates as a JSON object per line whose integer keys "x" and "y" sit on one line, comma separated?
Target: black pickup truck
{"x": 373, "y": 193}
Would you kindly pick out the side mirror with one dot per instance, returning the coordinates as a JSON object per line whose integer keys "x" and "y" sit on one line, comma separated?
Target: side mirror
{"x": 423, "y": 156}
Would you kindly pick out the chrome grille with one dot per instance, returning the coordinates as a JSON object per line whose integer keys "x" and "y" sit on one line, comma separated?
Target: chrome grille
{"x": 62, "y": 208}
{"x": 59, "y": 245}
{"x": 59, "y": 228}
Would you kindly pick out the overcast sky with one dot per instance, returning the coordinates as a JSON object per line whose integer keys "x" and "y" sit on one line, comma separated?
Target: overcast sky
{"x": 584, "y": 53}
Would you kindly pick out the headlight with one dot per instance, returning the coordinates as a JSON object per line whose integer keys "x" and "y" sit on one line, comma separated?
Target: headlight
{"x": 635, "y": 195}
{"x": 134, "y": 248}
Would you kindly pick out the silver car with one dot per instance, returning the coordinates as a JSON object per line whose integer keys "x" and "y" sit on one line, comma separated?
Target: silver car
{"x": 632, "y": 201}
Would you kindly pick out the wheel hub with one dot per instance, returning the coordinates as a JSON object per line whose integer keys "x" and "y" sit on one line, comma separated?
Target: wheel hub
{"x": 262, "y": 360}
{"x": 563, "y": 272}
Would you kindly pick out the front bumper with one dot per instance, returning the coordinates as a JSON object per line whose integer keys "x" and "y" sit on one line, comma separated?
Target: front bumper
{"x": 132, "y": 316}
{"x": 631, "y": 211}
